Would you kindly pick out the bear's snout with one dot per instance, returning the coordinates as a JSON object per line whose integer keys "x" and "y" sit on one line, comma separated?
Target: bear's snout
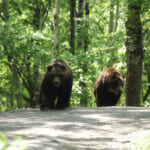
{"x": 56, "y": 82}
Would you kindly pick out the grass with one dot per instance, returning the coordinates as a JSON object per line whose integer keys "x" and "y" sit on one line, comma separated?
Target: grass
{"x": 142, "y": 143}
{"x": 15, "y": 145}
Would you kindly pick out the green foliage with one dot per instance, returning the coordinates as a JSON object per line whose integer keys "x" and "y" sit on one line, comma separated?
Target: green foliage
{"x": 30, "y": 45}
{"x": 142, "y": 143}
{"x": 15, "y": 145}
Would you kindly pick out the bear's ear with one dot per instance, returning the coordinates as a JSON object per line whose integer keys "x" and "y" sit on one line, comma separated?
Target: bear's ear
{"x": 114, "y": 76}
{"x": 63, "y": 67}
{"x": 49, "y": 68}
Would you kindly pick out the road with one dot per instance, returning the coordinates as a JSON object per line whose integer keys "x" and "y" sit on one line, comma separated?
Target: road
{"x": 106, "y": 128}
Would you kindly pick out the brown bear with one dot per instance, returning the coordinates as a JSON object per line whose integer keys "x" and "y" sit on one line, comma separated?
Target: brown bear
{"x": 57, "y": 84}
{"x": 108, "y": 87}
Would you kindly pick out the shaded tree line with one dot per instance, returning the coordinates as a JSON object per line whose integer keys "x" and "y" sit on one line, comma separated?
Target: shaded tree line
{"x": 82, "y": 32}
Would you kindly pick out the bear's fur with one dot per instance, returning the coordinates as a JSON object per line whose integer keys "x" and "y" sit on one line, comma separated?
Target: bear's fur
{"x": 108, "y": 87}
{"x": 57, "y": 84}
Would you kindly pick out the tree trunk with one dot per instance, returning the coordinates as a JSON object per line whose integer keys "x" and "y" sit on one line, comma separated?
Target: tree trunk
{"x": 5, "y": 11}
{"x": 80, "y": 42}
{"x": 134, "y": 53}
{"x": 72, "y": 30}
{"x": 36, "y": 17}
{"x": 10, "y": 102}
{"x": 83, "y": 84}
{"x": 16, "y": 84}
{"x": 147, "y": 93}
{"x": 147, "y": 67}
{"x": 11, "y": 59}
{"x": 111, "y": 28}
{"x": 56, "y": 30}
{"x": 79, "y": 28}
{"x": 111, "y": 17}
{"x": 117, "y": 16}
{"x": 86, "y": 40}
{"x": 113, "y": 23}
{"x": 83, "y": 45}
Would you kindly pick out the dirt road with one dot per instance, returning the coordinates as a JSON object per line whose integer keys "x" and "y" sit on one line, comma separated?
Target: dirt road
{"x": 109, "y": 128}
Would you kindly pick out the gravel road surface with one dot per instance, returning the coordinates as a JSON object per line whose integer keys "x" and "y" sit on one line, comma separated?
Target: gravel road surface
{"x": 106, "y": 128}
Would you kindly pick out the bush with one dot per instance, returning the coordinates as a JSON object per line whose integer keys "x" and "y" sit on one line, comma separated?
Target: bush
{"x": 143, "y": 143}
{"x": 15, "y": 145}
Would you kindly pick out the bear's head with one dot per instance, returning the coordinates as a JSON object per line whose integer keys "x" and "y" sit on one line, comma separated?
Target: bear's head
{"x": 56, "y": 74}
{"x": 116, "y": 84}
{"x": 114, "y": 81}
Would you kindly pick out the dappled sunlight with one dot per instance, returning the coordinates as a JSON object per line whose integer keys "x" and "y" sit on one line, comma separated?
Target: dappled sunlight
{"x": 76, "y": 128}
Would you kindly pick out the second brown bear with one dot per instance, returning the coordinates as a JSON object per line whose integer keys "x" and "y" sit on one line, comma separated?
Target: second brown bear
{"x": 57, "y": 84}
{"x": 108, "y": 87}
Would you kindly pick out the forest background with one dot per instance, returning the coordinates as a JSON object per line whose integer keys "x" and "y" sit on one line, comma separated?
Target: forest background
{"x": 90, "y": 35}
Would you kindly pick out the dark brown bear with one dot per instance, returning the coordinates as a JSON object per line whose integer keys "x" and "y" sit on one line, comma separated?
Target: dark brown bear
{"x": 108, "y": 87}
{"x": 57, "y": 84}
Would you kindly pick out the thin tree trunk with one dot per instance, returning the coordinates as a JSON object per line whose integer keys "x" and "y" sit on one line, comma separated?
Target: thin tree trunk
{"x": 86, "y": 40}
{"x": 147, "y": 67}
{"x": 72, "y": 30}
{"x": 83, "y": 44}
{"x": 134, "y": 53}
{"x": 30, "y": 81}
{"x": 117, "y": 16}
{"x": 36, "y": 17}
{"x": 11, "y": 59}
{"x": 16, "y": 84}
{"x": 80, "y": 43}
{"x": 79, "y": 28}
{"x": 5, "y": 11}
{"x": 147, "y": 93}
{"x": 111, "y": 28}
{"x": 56, "y": 30}
{"x": 111, "y": 17}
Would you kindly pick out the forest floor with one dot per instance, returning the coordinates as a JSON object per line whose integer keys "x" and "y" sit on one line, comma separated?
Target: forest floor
{"x": 106, "y": 128}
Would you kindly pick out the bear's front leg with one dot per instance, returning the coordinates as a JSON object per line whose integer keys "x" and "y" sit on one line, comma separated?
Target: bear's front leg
{"x": 42, "y": 101}
{"x": 63, "y": 101}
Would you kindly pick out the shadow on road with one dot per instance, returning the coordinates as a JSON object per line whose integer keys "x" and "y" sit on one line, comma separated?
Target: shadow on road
{"x": 76, "y": 128}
